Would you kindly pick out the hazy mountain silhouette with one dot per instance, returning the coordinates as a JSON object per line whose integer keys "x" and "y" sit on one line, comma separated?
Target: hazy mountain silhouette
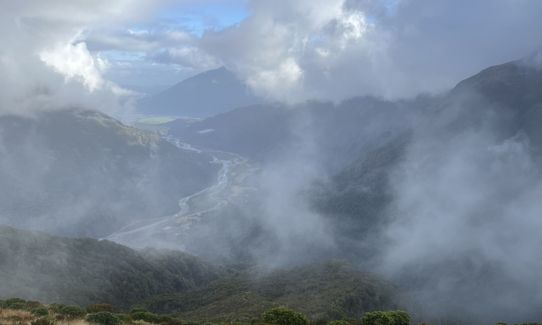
{"x": 203, "y": 95}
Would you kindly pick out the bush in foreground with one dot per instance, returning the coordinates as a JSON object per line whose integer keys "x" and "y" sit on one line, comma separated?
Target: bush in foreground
{"x": 20, "y": 304}
{"x": 103, "y": 318}
{"x": 14, "y": 303}
{"x": 40, "y": 311}
{"x": 146, "y": 316}
{"x": 397, "y": 317}
{"x": 284, "y": 316}
{"x": 70, "y": 312}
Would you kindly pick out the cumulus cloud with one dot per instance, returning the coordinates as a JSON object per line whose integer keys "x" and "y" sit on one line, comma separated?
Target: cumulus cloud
{"x": 143, "y": 40}
{"x": 74, "y": 61}
{"x": 273, "y": 46}
{"x": 187, "y": 56}
{"x": 153, "y": 56}
{"x": 45, "y": 60}
{"x": 285, "y": 50}
{"x": 296, "y": 50}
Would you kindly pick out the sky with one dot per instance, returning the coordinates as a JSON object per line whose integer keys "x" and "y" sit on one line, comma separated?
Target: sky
{"x": 288, "y": 51}
{"x": 154, "y": 53}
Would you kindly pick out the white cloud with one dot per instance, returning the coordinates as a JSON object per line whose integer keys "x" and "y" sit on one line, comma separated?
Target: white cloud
{"x": 186, "y": 56}
{"x": 275, "y": 46}
{"x": 343, "y": 48}
{"x": 280, "y": 82}
{"x": 354, "y": 26}
{"x": 74, "y": 61}
{"x": 286, "y": 50}
{"x": 46, "y": 62}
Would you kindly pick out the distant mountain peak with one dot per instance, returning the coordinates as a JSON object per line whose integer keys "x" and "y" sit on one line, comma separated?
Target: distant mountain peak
{"x": 206, "y": 94}
{"x": 514, "y": 83}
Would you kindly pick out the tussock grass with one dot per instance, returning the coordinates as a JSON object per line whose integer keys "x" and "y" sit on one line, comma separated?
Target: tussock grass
{"x": 24, "y": 317}
{"x": 12, "y": 316}
{"x": 72, "y": 322}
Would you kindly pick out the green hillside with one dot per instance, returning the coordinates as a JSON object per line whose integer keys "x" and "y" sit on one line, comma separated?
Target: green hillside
{"x": 86, "y": 271}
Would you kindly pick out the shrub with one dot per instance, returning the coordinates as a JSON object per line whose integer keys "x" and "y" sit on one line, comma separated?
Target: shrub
{"x": 15, "y": 303}
{"x": 56, "y": 308}
{"x": 70, "y": 311}
{"x": 96, "y": 308}
{"x": 103, "y": 318}
{"x": 40, "y": 311}
{"x": 284, "y": 316}
{"x": 124, "y": 318}
{"x": 397, "y": 317}
{"x": 30, "y": 304}
{"x": 146, "y": 316}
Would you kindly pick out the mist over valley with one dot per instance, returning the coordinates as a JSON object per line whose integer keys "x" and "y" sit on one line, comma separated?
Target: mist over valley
{"x": 292, "y": 163}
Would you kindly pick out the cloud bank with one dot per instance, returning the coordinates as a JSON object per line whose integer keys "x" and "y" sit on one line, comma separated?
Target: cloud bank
{"x": 338, "y": 49}
{"x": 44, "y": 57}
{"x": 289, "y": 51}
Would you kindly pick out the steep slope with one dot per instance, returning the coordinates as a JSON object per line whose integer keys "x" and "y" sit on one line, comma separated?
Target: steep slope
{"x": 467, "y": 179}
{"x": 511, "y": 92}
{"x": 357, "y": 198}
{"x": 206, "y": 94}
{"x": 363, "y": 142}
{"x": 501, "y": 105}
{"x": 81, "y": 172}
{"x": 84, "y": 271}
{"x": 514, "y": 83}
{"x": 506, "y": 99}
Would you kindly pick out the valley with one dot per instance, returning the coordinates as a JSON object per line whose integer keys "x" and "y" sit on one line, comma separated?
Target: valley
{"x": 270, "y": 162}
{"x": 232, "y": 188}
